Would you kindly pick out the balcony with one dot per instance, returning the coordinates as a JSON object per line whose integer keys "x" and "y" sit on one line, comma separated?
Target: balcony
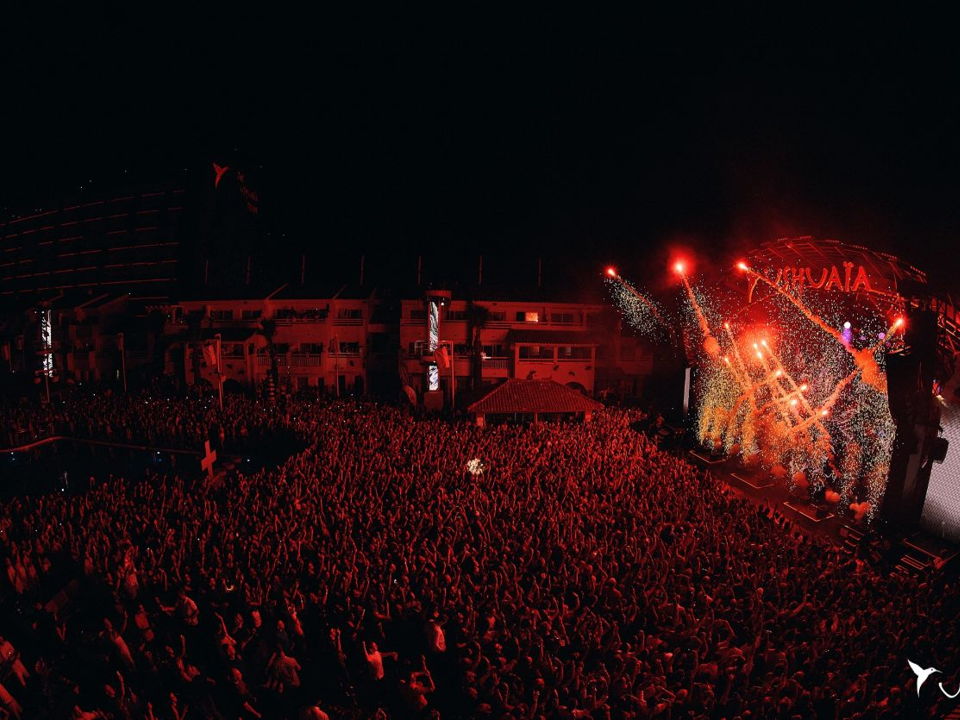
{"x": 497, "y": 363}
{"x": 285, "y": 321}
{"x": 292, "y": 360}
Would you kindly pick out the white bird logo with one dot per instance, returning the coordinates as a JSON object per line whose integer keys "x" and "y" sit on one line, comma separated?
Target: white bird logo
{"x": 921, "y": 673}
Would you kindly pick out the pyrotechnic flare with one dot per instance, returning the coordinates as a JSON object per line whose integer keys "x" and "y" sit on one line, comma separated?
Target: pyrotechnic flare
{"x": 710, "y": 344}
{"x": 863, "y": 358}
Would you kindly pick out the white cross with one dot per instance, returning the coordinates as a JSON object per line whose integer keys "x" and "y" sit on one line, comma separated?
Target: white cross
{"x": 209, "y": 458}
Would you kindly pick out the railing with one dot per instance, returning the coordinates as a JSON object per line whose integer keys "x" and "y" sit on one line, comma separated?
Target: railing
{"x": 299, "y": 320}
{"x": 305, "y": 360}
{"x": 497, "y": 363}
{"x": 292, "y": 360}
{"x": 348, "y": 321}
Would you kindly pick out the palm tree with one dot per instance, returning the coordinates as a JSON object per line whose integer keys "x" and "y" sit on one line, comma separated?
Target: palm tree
{"x": 477, "y": 317}
{"x": 268, "y": 329}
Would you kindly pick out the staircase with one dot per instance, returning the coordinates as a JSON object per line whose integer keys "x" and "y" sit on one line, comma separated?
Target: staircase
{"x": 851, "y": 538}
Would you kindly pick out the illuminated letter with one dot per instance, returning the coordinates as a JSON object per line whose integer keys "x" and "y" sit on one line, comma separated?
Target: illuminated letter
{"x": 862, "y": 280}
{"x": 819, "y": 284}
{"x": 834, "y": 278}
{"x": 847, "y": 267}
{"x": 798, "y": 278}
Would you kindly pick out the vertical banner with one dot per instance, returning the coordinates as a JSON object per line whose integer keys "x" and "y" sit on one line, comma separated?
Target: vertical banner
{"x": 433, "y": 340}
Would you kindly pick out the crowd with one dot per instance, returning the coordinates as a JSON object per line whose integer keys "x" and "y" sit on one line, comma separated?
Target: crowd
{"x": 156, "y": 418}
{"x": 575, "y": 571}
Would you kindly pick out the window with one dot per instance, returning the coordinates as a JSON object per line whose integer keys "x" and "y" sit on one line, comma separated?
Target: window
{"x": 418, "y": 314}
{"x": 566, "y": 318}
{"x": 536, "y": 352}
{"x": 497, "y": 316}
{"x": 349, "y": 348}
{"x": 250, "y": 315}
{"x": 285, "y": 313}
{"x": 221, "y": 315}
{"x": 574, "y": 353}
{"x": 524, "y": 316}
{"x": 281, "y": 348}
{"x": 311, "y": 348}
{"x": 233, "y": 350}
{"x": 494, "y": 351}
{"x": 461, "y": 349}
{"x": 349, "y": 313}
{"x": 456, "y": 315}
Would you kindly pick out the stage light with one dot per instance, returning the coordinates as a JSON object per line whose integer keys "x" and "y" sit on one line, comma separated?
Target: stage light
{"x": 679, "y": 267}
{"x": 846, "y": 325}
{"x": 612, "y": 271}
{"x": 742, "y": 265}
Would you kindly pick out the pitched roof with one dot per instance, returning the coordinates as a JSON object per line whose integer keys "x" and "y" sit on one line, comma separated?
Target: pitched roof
{"x": 532, "y": 396}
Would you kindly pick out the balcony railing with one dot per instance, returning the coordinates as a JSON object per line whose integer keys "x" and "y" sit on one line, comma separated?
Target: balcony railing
{"x": 348, "y": 321}
{"x": 293, "y": 360}
{"x": 300, "y": 320}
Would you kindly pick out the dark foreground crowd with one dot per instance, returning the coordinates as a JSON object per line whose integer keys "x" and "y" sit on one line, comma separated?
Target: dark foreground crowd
{"x": 413, "y": 568}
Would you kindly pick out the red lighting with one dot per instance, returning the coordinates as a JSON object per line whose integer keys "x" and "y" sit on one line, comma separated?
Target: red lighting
{"x": 898, "y": 323}
{"x": 824, "y": 412}
{"x": 680, "y": 267}
{"x": 793, "y": 402}
{"x": 742, "y": 266}
{"x": 803, "y": 388}
{"x": 612, "y": 271}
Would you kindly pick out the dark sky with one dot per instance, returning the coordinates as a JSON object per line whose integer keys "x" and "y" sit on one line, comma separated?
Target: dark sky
{"x": 584, "y": 140}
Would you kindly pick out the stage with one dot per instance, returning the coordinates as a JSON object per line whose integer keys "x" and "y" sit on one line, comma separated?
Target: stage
{"x": 917, "y": 553}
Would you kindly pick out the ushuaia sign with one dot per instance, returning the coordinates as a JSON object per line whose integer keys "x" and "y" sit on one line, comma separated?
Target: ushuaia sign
{"x": 847, "y": 278}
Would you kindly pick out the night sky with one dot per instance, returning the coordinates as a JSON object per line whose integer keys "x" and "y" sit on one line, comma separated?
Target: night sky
{"x": 582, "y": 140}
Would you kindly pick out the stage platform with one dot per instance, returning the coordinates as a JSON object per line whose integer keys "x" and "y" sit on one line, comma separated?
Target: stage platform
{"x": 809, "y": 511}
{"x": 920, "y": 552}
{"x": 756, "y": 483}
{"x": 707, "y": 458}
